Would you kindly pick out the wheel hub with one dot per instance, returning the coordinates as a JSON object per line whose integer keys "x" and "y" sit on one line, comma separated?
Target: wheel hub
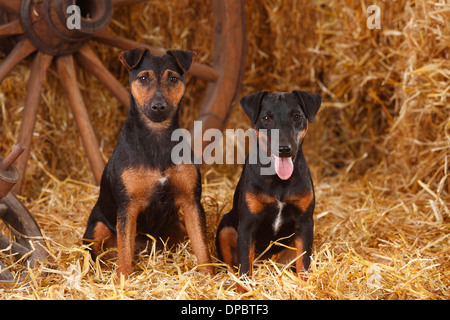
{"x": 45, "y": 23}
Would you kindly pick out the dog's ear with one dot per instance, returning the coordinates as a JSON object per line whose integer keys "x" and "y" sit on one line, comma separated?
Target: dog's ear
{"x": 131, "y": 58}
{"x": 309, "y": 102}
{"x": 184, "y": 58}
{"x": 252, "y": 104}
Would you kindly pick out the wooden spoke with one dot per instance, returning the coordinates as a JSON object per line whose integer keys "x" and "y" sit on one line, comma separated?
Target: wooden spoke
{"x": 66, "y": 70}
{"x": 199, "y": 70}
{"x": 120, "y": 3}
{"x": 11, "y": 28}
{"x": 123, "y": 43}
{"x": 22, "y": 50}
{"x": 10, "y": 5}
{"x": 38, "y": 70}
{"x": 89, "y": 60}
{"x": 229, "y": 57}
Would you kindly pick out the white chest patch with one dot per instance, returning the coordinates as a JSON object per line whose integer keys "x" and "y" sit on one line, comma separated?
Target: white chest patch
{"x": 162, "y": 180}
{"x": 279, "y": 219}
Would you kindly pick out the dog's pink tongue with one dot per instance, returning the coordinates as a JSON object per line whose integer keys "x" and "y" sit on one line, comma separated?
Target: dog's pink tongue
{"x": 284, "y": 167}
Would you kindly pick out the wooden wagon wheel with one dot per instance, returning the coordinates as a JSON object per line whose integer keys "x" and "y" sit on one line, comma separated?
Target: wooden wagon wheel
{"x": 28, "y": 244}
{"x": 40, "y": 27}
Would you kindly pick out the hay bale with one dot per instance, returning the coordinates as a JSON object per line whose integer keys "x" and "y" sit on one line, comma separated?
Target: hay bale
{"x": 379, "y": 153}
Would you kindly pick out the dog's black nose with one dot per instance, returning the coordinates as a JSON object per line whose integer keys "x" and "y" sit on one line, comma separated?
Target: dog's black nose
{"x": 285, "y": 150}
{"x": 158, "y": 106}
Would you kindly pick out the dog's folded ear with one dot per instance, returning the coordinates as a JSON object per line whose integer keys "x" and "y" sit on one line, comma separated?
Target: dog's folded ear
{"x": 309, "y": 102}
{"x": 252, "y": 104}
{"x": 184, "y": 58}
{"x": 131, "y": 58}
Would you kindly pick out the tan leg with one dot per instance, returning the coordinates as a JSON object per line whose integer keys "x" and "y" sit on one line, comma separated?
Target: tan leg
{"x": 227, "y": 238}
{"x": 287, "y": 255}
{"x": 251, "y": 259}
{"x": 139, "y": 184}
{"x": 184, "y": 179}
{"x": 103, "y": 238}
{"x": 197, "y": 234}
{"x": 299, "y": 251}
{"x": 126, "y": 234}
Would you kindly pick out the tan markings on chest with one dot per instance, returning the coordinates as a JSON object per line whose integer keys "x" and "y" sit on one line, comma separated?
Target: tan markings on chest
{"x": 301, "y": 201}
{"x": 183, "y": 180}
{"x": 140, "y": 183}
{"x": 257, "y": 202}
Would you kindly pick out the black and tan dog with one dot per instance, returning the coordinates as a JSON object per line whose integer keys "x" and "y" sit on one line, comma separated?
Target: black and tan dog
{"x": 141, "y": 189}
{"x": 277, "y": 206}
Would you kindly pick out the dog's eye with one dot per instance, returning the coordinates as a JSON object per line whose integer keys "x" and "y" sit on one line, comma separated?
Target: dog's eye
{"x": 296, "y": 117}
{"x": 173, "y": 79}
{"x": 266, "y": 119}
{"x": 143, "y": 79}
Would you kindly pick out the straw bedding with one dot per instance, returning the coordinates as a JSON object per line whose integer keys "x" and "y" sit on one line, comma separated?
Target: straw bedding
{"x": 379, "y": 153}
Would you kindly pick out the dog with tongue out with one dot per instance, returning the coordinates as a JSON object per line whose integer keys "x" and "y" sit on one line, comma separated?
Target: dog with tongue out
{"x": 273, "y": 204}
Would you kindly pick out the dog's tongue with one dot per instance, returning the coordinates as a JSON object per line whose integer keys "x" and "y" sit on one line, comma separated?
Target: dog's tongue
{"x": 284, "y": 167}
